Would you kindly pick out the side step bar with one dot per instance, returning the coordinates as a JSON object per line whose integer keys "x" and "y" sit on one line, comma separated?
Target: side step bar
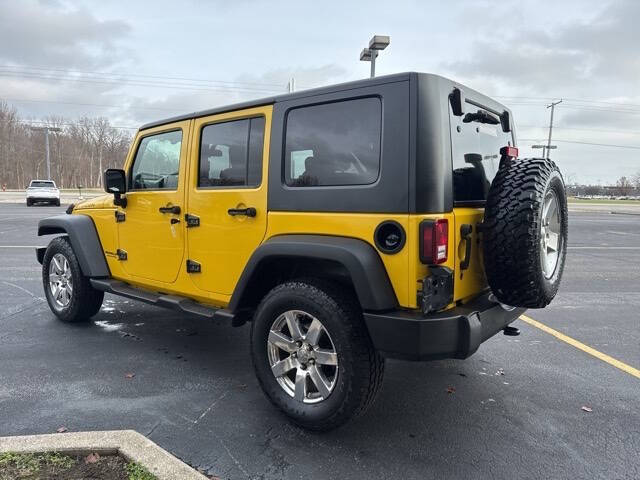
{"x": 173, "y": 302}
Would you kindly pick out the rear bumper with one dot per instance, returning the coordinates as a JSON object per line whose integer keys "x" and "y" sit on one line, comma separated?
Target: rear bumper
{"x": 43, "y": 198}
{"x": 455, "y": 333}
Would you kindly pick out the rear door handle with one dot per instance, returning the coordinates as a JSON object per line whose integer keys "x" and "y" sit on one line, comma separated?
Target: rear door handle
{"x": 249, "y": 211}
{"x": 175, "y": 209}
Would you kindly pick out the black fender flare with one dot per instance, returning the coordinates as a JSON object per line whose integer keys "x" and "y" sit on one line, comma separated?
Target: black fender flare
{"x": 84, "y": 239}
{"x": 360, "y": 259}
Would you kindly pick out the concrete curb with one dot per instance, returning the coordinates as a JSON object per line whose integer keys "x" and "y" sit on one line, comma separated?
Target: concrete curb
{"x": 128, "y": 443}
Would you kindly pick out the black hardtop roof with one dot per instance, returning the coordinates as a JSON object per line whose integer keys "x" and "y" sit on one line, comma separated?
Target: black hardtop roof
{"x": 396, "y": 77}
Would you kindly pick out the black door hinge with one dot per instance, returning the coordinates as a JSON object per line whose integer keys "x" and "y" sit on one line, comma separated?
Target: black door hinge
{"x": 120, "y": 216}
{"x": 122, "y": 255}
{"x": 192, "y": 220}
{"x": 193, "y": 267}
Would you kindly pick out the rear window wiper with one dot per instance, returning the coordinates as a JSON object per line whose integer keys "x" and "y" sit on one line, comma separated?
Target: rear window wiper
{"x": 481, "y": 116}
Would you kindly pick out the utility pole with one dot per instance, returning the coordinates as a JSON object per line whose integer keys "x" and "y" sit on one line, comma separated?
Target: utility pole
{"x": 46, "y": 131}
{"x": 552, "y": 106}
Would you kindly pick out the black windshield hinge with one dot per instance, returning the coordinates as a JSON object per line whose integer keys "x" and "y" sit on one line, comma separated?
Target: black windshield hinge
{"x": 193, "y": 267}
{"x": 122, "y": 255}
{"x": 192, "y": 220}
{"x": 120, "y": 216}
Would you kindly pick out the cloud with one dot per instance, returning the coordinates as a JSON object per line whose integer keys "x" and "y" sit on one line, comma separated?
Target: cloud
{"x": 48, "y": 33}
{"x": 244, "y": 87}
{"x": 602, "y": 48}
{"x": 305, "y": 77}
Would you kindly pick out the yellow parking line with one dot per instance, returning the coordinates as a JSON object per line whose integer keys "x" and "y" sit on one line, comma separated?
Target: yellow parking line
{"x": 581, "y": 346}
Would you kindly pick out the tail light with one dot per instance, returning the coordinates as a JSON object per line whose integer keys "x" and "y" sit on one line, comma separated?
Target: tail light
{"x": 434, "y": 241}
{"x": 511, "y": 152}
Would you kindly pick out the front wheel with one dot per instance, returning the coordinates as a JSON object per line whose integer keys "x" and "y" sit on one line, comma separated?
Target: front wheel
{"x": 69, "y": 293}
{"x": 313, "y": 356}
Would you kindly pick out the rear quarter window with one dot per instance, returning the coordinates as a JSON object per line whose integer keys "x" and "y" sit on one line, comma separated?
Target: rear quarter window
{"x": 475, "y": 150}
{"x": 333, "y": 144}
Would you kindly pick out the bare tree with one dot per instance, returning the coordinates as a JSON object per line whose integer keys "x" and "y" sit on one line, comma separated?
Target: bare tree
{"x": 625, "y": 187}
{"x": 78, "y": 153}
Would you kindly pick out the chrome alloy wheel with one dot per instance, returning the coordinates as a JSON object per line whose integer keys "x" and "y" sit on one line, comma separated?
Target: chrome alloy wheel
{"x": 60, "y": 280}
{"x": 550, "y": 236}
{"x": 302, "y": 356}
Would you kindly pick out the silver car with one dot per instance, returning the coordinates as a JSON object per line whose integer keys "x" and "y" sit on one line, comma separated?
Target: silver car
{"x": 43, "y": 191}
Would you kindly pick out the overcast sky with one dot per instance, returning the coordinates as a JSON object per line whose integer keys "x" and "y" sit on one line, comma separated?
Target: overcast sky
{"x": 137, "y": 61}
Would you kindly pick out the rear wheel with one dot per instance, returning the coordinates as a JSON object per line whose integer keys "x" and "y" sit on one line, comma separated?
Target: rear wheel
{"x": 57, "y": 202}
{"x": 313, "y": 356}
{"x": 69, "y": 293}
{"x": 525, "y": 233}
{"x": 29, "y": 202}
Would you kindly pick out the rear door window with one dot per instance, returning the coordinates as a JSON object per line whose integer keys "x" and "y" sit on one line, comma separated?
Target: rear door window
{"x": 231, "y": 153}
{"x": 333, "y": 144}
{"x": 475, "y": 149}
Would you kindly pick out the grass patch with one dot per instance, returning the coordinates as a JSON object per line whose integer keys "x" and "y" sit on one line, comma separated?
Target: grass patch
{"x": 138, "y": 472}
{"x": 26, "y": 465}
{"x": 52, "y": 465}
{"x": 602, "y": 201}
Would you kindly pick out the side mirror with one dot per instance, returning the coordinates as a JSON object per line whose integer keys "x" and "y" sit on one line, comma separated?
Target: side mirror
{"x": 115, "y": 182}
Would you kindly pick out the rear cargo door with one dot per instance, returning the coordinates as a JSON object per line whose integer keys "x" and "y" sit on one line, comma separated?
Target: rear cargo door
{"x": 475, "y": 148}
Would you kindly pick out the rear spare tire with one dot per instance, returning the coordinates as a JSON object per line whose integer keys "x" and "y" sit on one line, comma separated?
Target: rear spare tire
{"x": 524, "y": 238}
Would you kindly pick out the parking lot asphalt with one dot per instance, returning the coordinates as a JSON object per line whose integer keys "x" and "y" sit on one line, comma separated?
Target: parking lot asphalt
{"x": 516, "y": 411}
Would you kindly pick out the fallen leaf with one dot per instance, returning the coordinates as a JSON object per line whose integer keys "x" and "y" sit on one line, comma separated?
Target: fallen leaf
{"x": 451, "y": 390}
{"x": 92, "y": 458}
{"x": 587, "y": 409}
{"x": 129, "y": 375}
{"x": 61, "y": 429}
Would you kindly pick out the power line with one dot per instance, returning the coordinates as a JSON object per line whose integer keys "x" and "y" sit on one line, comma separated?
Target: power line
{"x": 70, "y": 124}
{"x": 625, "y": 132}
{"x": 88, "y": 104}
{"x": 134, "y": 82}
{"x": 162, "y": 77}
{"x": 579, "y": 100}
{"x": 635, "y": 147}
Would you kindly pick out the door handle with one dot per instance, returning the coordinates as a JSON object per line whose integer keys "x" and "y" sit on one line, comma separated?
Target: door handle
{"x": 465, "y": 234}
{"x": 175, "y": 209}
{"x": 249, "y": 211}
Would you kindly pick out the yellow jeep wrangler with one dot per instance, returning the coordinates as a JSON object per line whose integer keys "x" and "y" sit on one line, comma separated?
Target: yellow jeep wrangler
{"x": 388, "y": 217}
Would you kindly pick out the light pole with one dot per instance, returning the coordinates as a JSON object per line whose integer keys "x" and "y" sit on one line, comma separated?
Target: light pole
{"x": 376, "y": 44}
{"x": 46, "y": 131}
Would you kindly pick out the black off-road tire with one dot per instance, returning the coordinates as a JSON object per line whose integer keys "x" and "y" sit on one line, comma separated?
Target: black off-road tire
{"x": 57, "y": 202}
{"x": 85, "y": 301}
{"x": 29, "y": 202}
{"x": 511, "y": 236}
{"x": 361, "y": 367}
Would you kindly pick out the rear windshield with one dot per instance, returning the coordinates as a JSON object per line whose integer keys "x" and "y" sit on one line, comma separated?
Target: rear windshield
{"x": 43, "y": 184}
{"x": 475, "y": 148}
